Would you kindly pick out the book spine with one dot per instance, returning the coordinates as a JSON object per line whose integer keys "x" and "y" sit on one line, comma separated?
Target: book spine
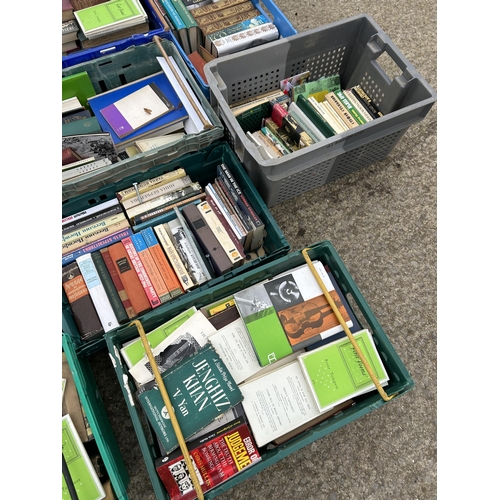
{"x": 97, "y": 292}
{"x": 333, "y": 122}
{"x": 109, "y": 287}
{"x": 130, "y": 280}
{"x": 162, "y": 263}
{"x": 296, "y": 132}
{"x": 91, "y": 228}
{"x": 276, "y": 141}
{"x": 150, "y": 267}
{"x": 366, "y": 99}
{"x": 151, "y": 294}
{"x": 358, "y": 105}
{"x": 85, "y": 169}
{"x": 335, "y": 119}
{"x": 122, "y": 293}
{"x": 233, "y": 250}
{"x": 97, "y": 245}
{"x": 350, "y": 107}
{"x": 226, "y": 14}
{"x": 317, "y": 119}
{"x": 156, "y": 192}
{"x": 232, "y": 197}
{"x": 215, "y": 6}
{"x": 89, "y": 211}
{"x": 281, "y": 134}
{"x": 149, "y": 184}
{"x": 95, "y": 236}
{"x": 82, "y": 308}
{"x": 340, "y": 109}
{"x": 87, "y": 221}
{"x": 173, "y": 256}
{"x": 220, "y": 24}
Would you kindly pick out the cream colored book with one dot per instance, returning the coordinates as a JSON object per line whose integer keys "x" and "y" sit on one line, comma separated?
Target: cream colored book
{"x": 341, "y": 110}
{"x": 157, "y": 142}
{"x": 357, "y": 104}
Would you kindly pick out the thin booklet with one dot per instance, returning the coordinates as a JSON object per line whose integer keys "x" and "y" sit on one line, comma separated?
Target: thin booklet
{"x": 136, "y": 110}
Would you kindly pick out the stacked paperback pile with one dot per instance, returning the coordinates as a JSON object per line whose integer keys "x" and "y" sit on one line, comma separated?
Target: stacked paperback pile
{"x": 235, "y": 393}
{"x": 302, "y": 113}
{"x": 155, "y": 241}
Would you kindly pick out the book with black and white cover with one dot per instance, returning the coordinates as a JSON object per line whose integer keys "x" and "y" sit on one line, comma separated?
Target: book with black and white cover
{"x": 97, "y": 292}
{"x": 361, "y": 109}
{"x": 97, "y": 145}
{"x": 69, "y": 220}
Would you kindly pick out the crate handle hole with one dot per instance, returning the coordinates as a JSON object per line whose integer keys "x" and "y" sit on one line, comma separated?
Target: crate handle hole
{"x": 388, "y": 65}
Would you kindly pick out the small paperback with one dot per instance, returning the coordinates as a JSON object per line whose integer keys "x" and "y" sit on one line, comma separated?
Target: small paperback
{"x": 136, "y": 110}
{"x": 200, "y": 389}
{"x": 335, "y": 373}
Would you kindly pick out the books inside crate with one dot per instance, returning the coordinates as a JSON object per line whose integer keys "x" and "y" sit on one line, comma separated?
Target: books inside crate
{"x": 320, "y": 380}
{"x": 113, "y": 128}
{"x": 157, "y": 238}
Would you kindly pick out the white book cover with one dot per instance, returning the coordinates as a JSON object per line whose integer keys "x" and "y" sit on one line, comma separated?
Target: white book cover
{"x": 236, "y": 351}
{"x": 85, "y": 169}
{"x": 183, "y": 341}
{"x": 159, "y": 141}
{"x": 278, "y": 402}
{"x": 97, "y": 292}
{"x": 305, "y": 122}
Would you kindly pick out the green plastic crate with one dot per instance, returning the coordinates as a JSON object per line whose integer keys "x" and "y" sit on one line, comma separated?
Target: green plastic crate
{"x": 97, "y": 417}
{"x": 200, "y": 166}
{"x": 400, "y": 379}
{"x": 113, "y": 70}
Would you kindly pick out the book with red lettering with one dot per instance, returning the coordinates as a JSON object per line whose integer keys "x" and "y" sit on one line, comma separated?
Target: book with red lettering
{"x": 217, "y": 456}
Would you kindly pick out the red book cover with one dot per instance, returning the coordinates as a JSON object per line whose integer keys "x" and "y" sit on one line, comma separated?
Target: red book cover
{"x": 277, "y": 114}
{"x": 140, "y": 270}
{"x": 129, "y": 278}
{"x": 216, "y": 457}
{"x": 118, "y": 283}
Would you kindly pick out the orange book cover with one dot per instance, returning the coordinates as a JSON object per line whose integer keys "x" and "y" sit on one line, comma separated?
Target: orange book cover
{"x": 151, "y": 268}
{"x": 169, "y": 276}
{"x": 130, "y": 280}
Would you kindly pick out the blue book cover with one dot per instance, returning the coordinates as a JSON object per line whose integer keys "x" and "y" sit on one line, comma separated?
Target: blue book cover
{"x": 170, "y": 122}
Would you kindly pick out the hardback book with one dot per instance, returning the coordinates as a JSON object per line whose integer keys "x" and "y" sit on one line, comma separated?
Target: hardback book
{"x": 132, "y": 112}
{"x": 97, "y": 145}
{"x": 181, "y": 30}
{"x": 214, "y": 6}
{"x": 275, "y": 140}
{"x": 200, "y": 389}
{"x": 216, "y": 456}
{"x": 67, "y": 10}
{"x": 81, "y": 305}
{"x": 164, "y": 266}
{"x": 207, "y": 240}
{"x": 88, "y": 125}
{"x": 130, "y": 280}
{"x": 154, "y": 193}
{"x": 360, "y": 107}
{"x": 148, "y": 184}
{"x": 110, "y": 16}
{"x": 69, "y": 155}
{"x": 187, "y": 249}
{"x": 154, "y": 299}
{"x": 318, "y": 120}
{"x": 69, "y": 220}
{"x": 321, "y": 86}
{"x": 350, "y": 107}
{"x": 96, "y": 245}
{"x": 226, "y": 13}
{"x": 122, "y": 293}
{"x": 185, "y": 340}
{"x": 280, "y": 133}
{"x": 335, "y": 373}
{"x": 228, "y": 21}
{"x": 151, "y": 268}
{"x": 92, "y": 218}
{"x": 262, "y": 140}
{"x": 77, "y": 115}
{"x": 133, "y": 351}
{"x": 199, "y": 63}
{"x": 194, "y": 4}
{"x": 247, "y": 104}
{"x": 278, "y": 402}
{"x": 97, "y": 292}
{"x": 68, "y": 47}
{"x": 71, "y": 105}
{"x": 334, "y": 121}
{"x": 367, "y": 100}
{"x": 306, "y": 124}
{"x": 162, "y": 231}
{"x": 81, "y": 470}
{"x": 332, "y": 99}
{"x": 233, "y": 249}
{"x": 144, "y": 145}
{"x": 114, "y": 35}
{"x": 246, "y": 207}
{"x": 69, "y": 167}
{"x": 244, "y": 39}
{"x": 293, "y": 129}
{"x": 70, "y": 30}
{"x": 79, "y": 85}
{"x": 167, "y": 123}
{"x": 109, "y": 287}
{"x": 192, "y": 27}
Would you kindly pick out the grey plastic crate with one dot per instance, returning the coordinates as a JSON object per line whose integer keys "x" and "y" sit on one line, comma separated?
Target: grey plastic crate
{"x": 354, "y": 48}
{"x": 113, "y": 70}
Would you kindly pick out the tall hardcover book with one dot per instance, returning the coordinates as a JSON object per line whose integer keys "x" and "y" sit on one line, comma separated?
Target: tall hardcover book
{"x": 81, "y": 305}
{"x": 130, "y": 280}
{"x": 200, "y": 389}
{"x": 335, "y": 373}
{"x": 318, "y": 120}
{"x": 151, "y": 268}
{"x": 216, "y": 456}
{"x": 122, "y": 293}
{"x": 194, "y": 33}
{"x": 181, "y": 30}
{"x": 162, "y": 262}
{"x": 142, "y": 274}
{"x": 97, "y": 292}
{"x": 109, "y": 287}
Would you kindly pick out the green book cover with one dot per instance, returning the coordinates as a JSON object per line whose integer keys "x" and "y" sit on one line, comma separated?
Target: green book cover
{"x": 85, "y": 479}
{"x": 88, "y": 125}
{"x": 133, "y": 351}
{"x": 335, "y": 372}
{"x": 200, "y": 389}
{"x": 307, "y": 108}
{"x": 78, "y": 85}
{"x": 107, "y": 13}
{"x": 266, "y": 333}
{"x": 327, "y": 83}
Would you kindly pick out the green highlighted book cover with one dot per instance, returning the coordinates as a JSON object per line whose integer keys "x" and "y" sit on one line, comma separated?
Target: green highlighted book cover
{"x": 335, "y": 372}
